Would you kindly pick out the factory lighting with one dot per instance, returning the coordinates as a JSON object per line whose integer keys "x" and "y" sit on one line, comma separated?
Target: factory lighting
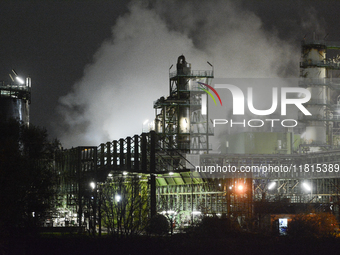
{"x": 196, "y": 212}
{"x": 240, "y": 187}
{"x": 145, "y": 123}
{"x": 271, "y": 185}
{"x": 92, "y": 185}
{"x": 171, "y": 173}
{"x": 118, "y": 198}
{"x": 125, "y": 173}
{"x": 169, "y": 212}
{"x": 21, "y": 81}
{"x": 306, "y": 186}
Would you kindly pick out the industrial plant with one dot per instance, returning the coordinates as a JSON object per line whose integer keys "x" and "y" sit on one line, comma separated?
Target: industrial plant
{"x": 296, "y": 167}
{"x": 15, "y": 98}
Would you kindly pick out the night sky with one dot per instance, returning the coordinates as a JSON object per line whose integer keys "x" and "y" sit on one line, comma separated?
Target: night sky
{"x": 117, "y": 54}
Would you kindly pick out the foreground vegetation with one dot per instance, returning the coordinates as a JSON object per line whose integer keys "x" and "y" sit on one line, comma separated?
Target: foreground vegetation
{"x": 27, "y": 183}
{"x": 241, "y": 243}
{"x": 211, "y": 236}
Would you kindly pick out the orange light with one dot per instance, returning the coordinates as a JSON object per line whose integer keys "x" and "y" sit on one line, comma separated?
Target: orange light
{"x": 240, "y": 187}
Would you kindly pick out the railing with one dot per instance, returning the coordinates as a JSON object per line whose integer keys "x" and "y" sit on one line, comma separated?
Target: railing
{"x": 324, "y": 63}
{"x": 15, "y": 91}
{"x": 319, "y": 117}
{"x": 318, "y": 102}
{"x": 328, "y": 44}
{"x": 330, "y": 82}
{"x": 193, "y": 73}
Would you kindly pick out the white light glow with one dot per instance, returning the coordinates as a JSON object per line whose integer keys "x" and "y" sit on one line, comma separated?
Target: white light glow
{"x": 92, "y": 185}
{"x": 169, "y": 212}
{"x": 196, "y": 212}
{"x": 118, "y": 198}
{"x": 21, "y": 81}
{"x": 125, "y": 173}
{"x": 306, "y": 186}
{"x": 271, "y": 185}
{"x": 171, "y": 173}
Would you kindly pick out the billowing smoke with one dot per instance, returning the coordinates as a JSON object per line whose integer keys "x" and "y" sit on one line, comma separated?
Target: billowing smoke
{"x": 130, "y": 71}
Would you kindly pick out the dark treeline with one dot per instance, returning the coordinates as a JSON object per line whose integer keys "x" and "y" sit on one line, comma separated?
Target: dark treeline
{"x": 27, "y": 178}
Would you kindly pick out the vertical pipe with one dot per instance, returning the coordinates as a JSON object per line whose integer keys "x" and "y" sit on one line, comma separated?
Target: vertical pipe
{"x": 108, "y": 154}
{"x": 115, "y": 154}
{"x": 80, "y": 205}
{"x": 121, "y": 154}
{"x": 102, "y": 154}
{"x": 136, "y": 153}
{"x": 144, "y": 153}
{"x": 95, "y": 157}
{"x": 128, "y": 153}
{"x": 153, "y": 173}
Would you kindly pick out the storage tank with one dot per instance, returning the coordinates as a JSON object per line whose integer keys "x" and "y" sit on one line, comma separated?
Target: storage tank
{"x": 15, "y": 98}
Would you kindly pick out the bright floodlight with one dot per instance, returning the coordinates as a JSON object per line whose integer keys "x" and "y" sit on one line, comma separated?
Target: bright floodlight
{"x": 92, "y": 185}
{"x": 240, "y": 187}
{"x": 21, "y": 81}
{"x": 306, "y": 186}
{"x": 171, "y": 173}
{"x": 196, "y": 212}
{"x": 125, "y": 173}
{"x": 271, "y": 185}
{"x": 169, "y": 212}
{"x": 118, "y": 198}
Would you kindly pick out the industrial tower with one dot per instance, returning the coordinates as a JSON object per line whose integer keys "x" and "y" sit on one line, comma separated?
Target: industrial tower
{"x": 15, "y": 98}
{"x": 178, "y": 117}
{"x": 317, "y": 75}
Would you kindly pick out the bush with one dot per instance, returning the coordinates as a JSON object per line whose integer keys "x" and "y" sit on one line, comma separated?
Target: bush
{"x": 158, "y": 225}
{"x": 313, "y": 225}
{"x": 216, "y": 227}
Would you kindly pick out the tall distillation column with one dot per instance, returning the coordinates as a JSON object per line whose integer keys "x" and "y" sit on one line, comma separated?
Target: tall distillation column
{"x": 174, "y": 114}
{"x": 15, "y": 98}
{"x": 314, "y": 75}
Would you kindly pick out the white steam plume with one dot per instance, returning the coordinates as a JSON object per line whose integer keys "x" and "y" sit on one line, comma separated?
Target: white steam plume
{"x": 130, "y": 71}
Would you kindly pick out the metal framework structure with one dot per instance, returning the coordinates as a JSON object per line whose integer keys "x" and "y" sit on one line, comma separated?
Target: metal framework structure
{"x": 316, "y": 72}
{"x": 178, "y": 117}
{"x": 15, "y": 99}
{"x": 159, "y": 157}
